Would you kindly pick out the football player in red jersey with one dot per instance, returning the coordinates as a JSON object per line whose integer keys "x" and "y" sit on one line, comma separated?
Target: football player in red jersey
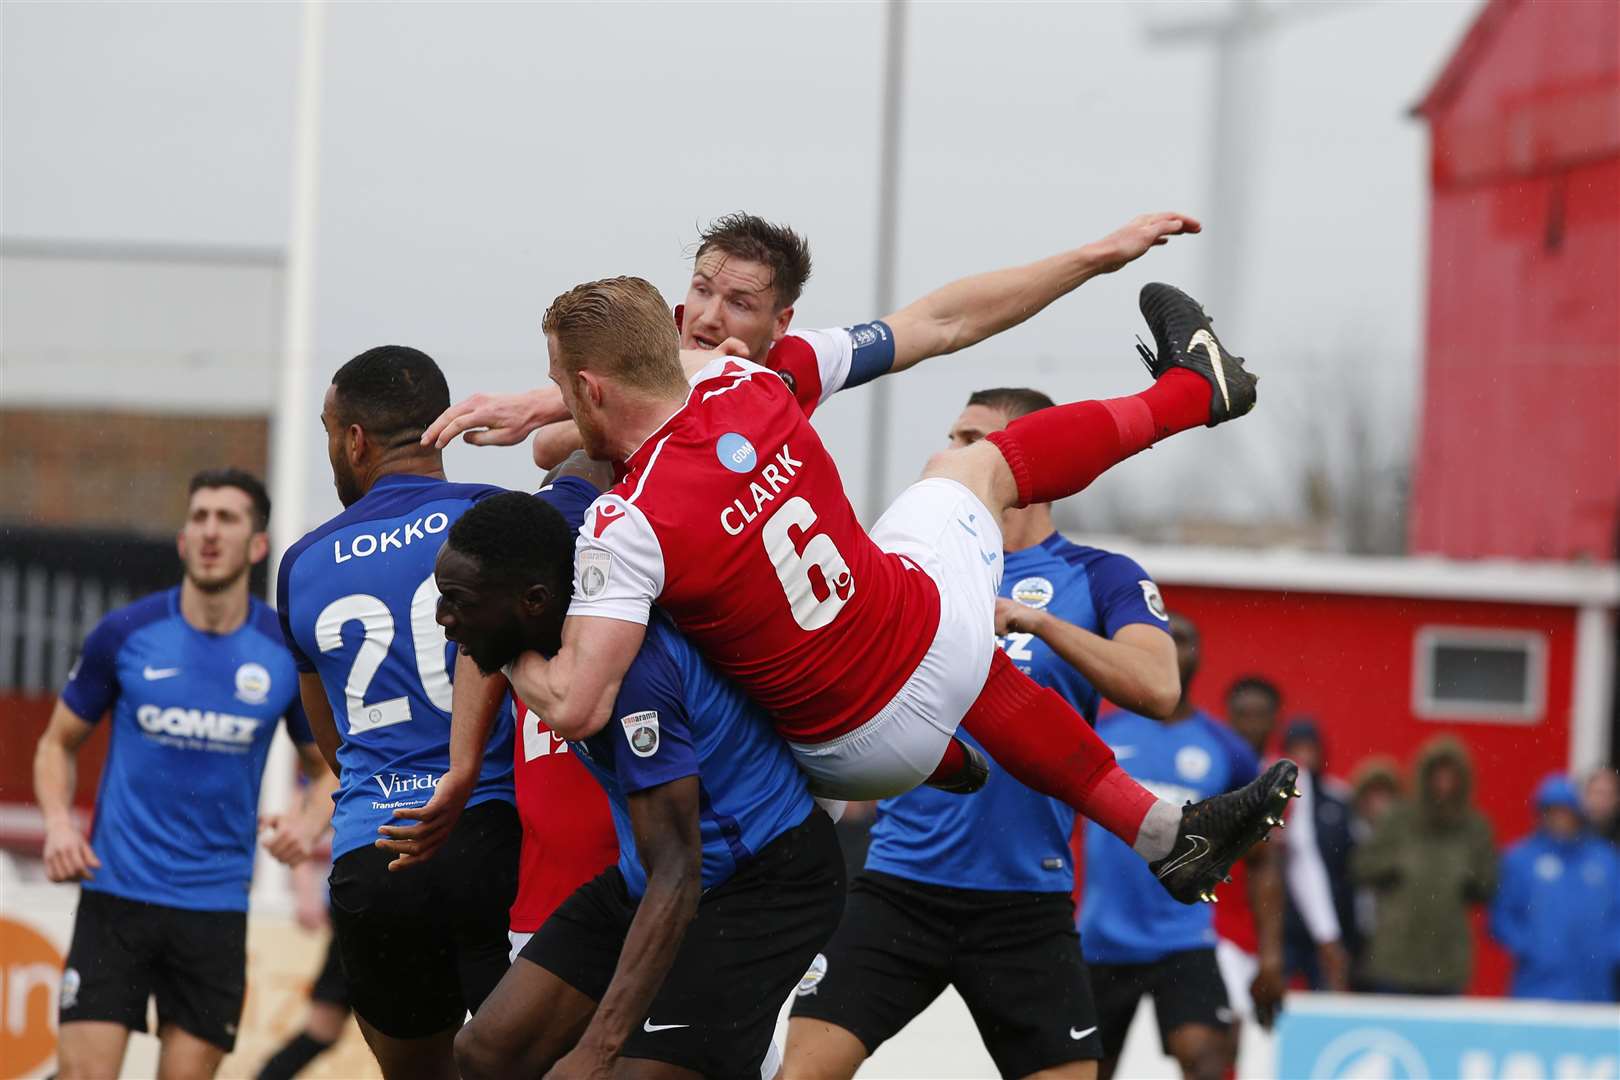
{"x": 869, "y": 697}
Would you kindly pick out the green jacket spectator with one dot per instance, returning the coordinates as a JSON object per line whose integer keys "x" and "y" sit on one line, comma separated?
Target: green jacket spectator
{"x": 1428, "y": 861}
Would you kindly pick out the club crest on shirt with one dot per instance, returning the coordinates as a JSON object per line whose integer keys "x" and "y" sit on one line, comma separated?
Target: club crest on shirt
{"x": 1193, "y": 762}
{"x": 641, "y": 732}
{"x": 811, "y": 980}
{"x": 1035, "y": 592}
{"x": 1155, "y": 602}
{"x": 252, "y": 684}
{"x": 70, "y": 989}
{"x": 594, "y": 568}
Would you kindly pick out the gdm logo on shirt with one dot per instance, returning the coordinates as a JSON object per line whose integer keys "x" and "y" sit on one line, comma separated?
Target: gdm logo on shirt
{"x": 252, "y": 684}
{"x": 1035, "y": 592}
{"x": 736, "y": 453}
{"x": 641, "y": 732}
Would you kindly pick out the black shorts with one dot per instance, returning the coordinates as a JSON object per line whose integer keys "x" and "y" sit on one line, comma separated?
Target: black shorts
{"x": 1013, "y": 956}
{"x": 1186, "y": 989}
{"x": 330, "y": 985}
{"x": 423, "y": 947}
{"x": 126, "y": 951}
{"x": 753, "y": 937}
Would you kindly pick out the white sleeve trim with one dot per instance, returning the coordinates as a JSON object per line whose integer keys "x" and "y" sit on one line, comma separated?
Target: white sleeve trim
{"x": 835, "y": 352}
{"x": 619, "y": 568}
{"x": 1305, "y": 871}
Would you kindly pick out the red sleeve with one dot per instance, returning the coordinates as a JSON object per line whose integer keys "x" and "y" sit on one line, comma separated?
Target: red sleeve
{"x": 794, "y": 359}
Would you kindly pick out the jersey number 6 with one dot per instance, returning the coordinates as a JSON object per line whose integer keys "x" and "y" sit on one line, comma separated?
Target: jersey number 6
{"x": 813, "y": 574}
{"x": 378, "y": 623}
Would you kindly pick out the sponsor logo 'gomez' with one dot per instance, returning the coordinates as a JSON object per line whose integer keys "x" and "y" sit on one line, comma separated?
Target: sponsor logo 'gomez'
{"x": 197, "y": 724}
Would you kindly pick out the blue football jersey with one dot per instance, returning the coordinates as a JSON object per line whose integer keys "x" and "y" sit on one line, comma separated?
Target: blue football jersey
{"x": 1006, "y": 836}
{"x": 358, "y": 606}
{"x": 1128, "y": 918}
{"x": 676, "y": 717}
{"x": 193, "y": 714}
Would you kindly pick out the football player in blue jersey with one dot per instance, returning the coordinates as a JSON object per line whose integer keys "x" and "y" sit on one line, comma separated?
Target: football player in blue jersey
{"x": 1138, "y": 940}
{"x": 976, "y": 892}
{"x": 674, "y": 962}
{"x": 196, "y": 680}
{"x": 357, "y": 599}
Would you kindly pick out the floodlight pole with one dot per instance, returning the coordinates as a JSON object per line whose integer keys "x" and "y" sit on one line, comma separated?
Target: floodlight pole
{"x": 889, "y": 136}
{"x": 292, "y": 428}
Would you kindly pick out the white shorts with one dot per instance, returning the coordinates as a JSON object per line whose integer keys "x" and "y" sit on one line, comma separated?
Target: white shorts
{"x": 1238, "y": 969}
{"x": 518, "y": 939}
{"x": 942, "y": 527}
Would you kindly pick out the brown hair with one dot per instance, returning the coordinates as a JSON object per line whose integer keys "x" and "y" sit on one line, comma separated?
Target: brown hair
{"x": 746, "y": 236}
{"x": 1015, "y": 401}
{"x": 619, "y": 327}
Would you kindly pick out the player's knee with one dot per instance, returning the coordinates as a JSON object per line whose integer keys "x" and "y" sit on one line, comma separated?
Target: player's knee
{"x": 981, "y": 469}
{"x": 477, "y": 1056}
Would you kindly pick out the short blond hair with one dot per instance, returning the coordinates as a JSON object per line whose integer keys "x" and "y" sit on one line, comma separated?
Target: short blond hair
{"x": 620, "y": 327}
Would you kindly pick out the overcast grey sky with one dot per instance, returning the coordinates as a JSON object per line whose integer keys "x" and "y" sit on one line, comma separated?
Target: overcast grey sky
{"x": 478, "y": 159}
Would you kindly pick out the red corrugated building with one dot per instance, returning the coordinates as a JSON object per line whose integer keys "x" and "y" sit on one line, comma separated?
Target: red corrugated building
{"x": 1520, "y": 448}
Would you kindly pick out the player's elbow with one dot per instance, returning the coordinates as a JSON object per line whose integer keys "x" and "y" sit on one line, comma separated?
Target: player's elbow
{"x": 576, "y": 722}
{"x": 1161, "y": 693}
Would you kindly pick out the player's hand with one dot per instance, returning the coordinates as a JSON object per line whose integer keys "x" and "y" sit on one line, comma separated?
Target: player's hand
{"x": 418, "y": 843}
{"x": 496, "y": 419}
{"x": 554, "y": 443}
{"x": 310, "y": 912}
{"x": 582, "y": 1063}
{"x": 68, "y": 856}
{"x": 289, "y": 841}
{"x": 1015, "y": 618}
{"x": 1129, "y": 243}
{"x": 1334, "y": 961}
{"x": 1267, "y": 991}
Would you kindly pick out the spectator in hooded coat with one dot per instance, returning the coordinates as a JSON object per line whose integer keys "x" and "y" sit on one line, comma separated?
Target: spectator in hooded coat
{"x": 1428, "y": 862}
{"x": 1558, "y": 909}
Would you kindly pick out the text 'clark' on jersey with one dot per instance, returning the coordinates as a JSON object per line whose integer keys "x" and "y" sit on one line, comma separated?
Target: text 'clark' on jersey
{"x": 1007, "y": 837}
{"x": 358, "y": 606}
{"x": 193, "y": 715}
{"x": 733, "y": 519}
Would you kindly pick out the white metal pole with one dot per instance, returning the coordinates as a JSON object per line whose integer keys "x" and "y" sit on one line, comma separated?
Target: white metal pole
{"x": 291, "y": 424}
{"x": 877, "y": 448}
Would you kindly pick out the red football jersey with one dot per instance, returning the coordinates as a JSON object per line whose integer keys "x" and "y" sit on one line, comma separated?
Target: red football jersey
{"x": 1234, "y": 918}
{"x": 733, "y": 519}
{"x": 568, "y": 833}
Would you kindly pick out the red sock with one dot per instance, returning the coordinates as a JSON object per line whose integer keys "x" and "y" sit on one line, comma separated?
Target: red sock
{"x": 1056, "y": 452}
{"x": 1040, "y": 739}
{"x": 951, "y": 765}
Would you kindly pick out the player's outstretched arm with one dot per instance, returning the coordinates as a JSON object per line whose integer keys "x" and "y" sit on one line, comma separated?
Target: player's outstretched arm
{"x": 967, "y": 311}
{"x": 575, "y": 690}
{"x": 1135, "y": 669}
{"x": 475, "y": 699}
{"x": 68, "y": 856}
{"x": 665, "y": 822}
